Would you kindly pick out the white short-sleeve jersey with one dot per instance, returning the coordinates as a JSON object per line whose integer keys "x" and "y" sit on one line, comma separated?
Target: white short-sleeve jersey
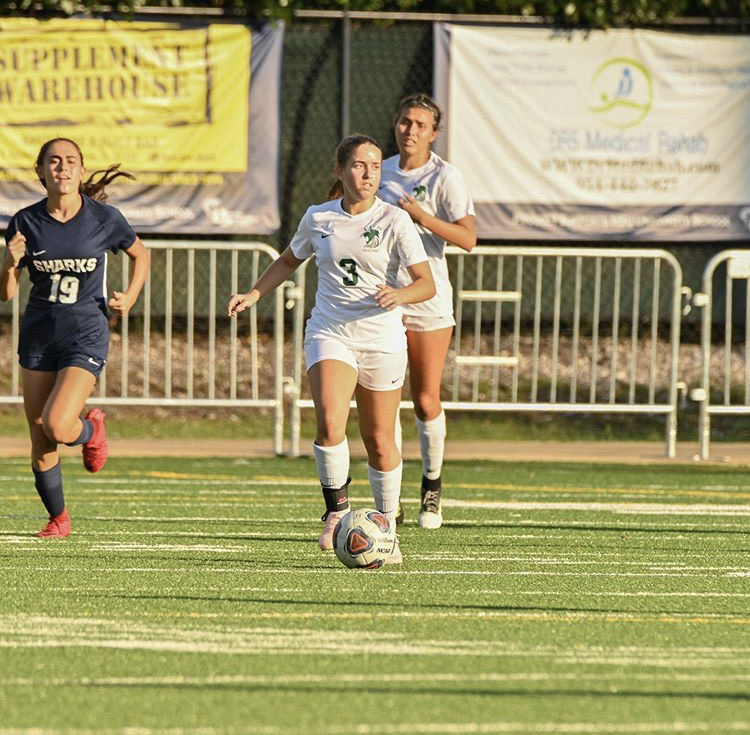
{"x": 355, "y": 254}
{"x": 440, "y": 190}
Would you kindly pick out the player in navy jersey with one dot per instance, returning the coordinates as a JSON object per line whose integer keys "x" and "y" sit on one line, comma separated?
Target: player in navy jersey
{"x": 354, "y": 340}
{"x": 434, "y": 194}
{"x": 63, "y": 241}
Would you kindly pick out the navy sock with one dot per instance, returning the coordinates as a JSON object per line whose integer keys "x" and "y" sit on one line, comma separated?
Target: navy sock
{"x": 87, "y": 431}
{"x": 49, "y": 485}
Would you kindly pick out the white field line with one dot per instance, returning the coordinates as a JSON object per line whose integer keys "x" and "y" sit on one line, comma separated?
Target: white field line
{"x": 576, "y": 553}
{"x": 598, "y": 595}
{"x": 520, "y": 531}
{"x": 562, "y": 488}
{"x": 50, "y": 632}
{"x": 169, "y": 522}
{"x": 155, "y": 477}
{"x": 152, "y": 483}
{"x": 243, "y": 646}
{"x": 328, "y": 679}
{"x": 323, "y": 571}
{"x": 198, "y": 584}
{"x": 651, "y": 570}
{"x": 704, "y": 526}
{"x": 551, "y": 572}
{"x": 132, "y": 546}
{"x": 578, "y": 556}
{"x": 488, "y": 573}
{"x": 56, "y": 624}
{"x": 642, "y": 508}
{"x": 544, "y": 561}
{"x": 593, "y": 507}
{"x": 184, "y": 587}
{"x": 509, "y": 533}
{"x": 690, "y": 509}
{"x": 92, "y": 543}
{"x": 714, "y": 727}
{"x": 532, "y": 558}
{"x": 648, "y": 618}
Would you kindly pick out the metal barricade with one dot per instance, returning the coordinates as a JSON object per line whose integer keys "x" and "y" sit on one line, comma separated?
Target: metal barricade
{"x": 553, "y": 329}
{"x": 725, "y": 369}
{"x": 177, "y": 347}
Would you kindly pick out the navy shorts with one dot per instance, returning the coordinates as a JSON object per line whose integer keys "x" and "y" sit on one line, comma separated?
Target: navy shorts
{"x": 50, "y": 341}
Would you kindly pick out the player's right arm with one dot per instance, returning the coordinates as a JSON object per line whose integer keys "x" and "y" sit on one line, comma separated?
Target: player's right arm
{"x": 10, "y": 271}
{"x": 271, "y": 278}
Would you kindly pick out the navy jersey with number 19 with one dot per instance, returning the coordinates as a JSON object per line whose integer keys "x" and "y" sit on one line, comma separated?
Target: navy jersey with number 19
{"x": 65, "y": 321}
{"x": 67, "y": 260}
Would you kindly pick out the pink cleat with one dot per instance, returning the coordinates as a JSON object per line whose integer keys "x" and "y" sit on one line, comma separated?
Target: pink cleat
{"x": 96, "y": 450}
{"x": 331, "y": 518}
{"x": 395, "y": 557}
{"x": 57, "y": 527}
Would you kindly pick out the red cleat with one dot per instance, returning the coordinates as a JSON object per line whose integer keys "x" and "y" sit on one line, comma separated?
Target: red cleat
{"x": 57, "y": 527}
{"x": 96, "y": 450}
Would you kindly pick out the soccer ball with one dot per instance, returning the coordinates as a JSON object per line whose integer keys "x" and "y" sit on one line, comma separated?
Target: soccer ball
{"x": 364, "y": 539}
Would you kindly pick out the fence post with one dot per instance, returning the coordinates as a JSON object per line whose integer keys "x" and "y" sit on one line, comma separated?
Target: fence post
{"x": 346, "y": 66}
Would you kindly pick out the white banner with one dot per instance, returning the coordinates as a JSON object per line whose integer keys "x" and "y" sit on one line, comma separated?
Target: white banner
{"x": 620, "y": 134}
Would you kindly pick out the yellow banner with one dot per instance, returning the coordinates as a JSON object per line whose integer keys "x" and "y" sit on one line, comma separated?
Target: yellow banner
{"x": 156, "y": 97}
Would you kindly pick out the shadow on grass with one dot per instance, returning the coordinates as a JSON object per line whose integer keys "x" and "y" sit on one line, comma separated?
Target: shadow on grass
{"x": 429, "y": 689}
{"x": 397, "y": 605}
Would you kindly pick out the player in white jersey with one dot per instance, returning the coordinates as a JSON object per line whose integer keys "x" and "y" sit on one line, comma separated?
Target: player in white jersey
{"x": 435, "y": 196}
{"x": 355, "y": 343}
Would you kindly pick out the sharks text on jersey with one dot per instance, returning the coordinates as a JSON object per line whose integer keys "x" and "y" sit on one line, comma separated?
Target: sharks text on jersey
{"x": 72, "y": 265}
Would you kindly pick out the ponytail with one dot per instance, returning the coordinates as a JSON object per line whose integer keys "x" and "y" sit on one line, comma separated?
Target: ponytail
{"x": 336, "y": 191}
{"x": 95, "y": 188}
{"x": 343, "y": 152}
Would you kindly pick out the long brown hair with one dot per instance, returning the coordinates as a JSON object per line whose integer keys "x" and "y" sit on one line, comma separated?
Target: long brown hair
{"x": 342, "y": 154}
{"x": 93, "y": 187}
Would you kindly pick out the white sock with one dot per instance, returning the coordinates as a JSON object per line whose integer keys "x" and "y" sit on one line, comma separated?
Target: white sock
{"x": 398, "y": 435}
{"x": 333, "y": 464}
{"x": 432, "y": 444}
{"x": 386, "y": 489}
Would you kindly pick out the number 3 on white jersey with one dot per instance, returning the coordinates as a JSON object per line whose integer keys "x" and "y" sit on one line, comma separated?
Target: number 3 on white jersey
{"x": 64, "y": 289}
{"x": 350, "y": 266}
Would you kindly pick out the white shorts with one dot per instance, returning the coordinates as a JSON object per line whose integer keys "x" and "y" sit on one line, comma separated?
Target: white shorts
{"x": 428, "y": 323}
{"x": 375, "y": 370}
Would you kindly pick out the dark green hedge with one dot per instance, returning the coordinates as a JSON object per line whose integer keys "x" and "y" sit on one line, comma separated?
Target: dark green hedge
{"x": 594, "y": 13}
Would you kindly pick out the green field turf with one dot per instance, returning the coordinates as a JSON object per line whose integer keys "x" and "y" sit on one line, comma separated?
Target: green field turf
{"x": 192, "y": 599}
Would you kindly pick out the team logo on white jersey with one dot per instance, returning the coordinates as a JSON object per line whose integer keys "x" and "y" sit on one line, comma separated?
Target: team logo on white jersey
{"x": 420, "y": 192}
{"x": 372, "y": 238}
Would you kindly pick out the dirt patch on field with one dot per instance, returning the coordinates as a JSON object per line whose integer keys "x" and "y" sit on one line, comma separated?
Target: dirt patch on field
{"x": 600, "y": 452}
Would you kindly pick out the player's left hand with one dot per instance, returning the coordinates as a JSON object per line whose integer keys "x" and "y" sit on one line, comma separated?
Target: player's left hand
{"x": 388, "y": 298}
{"x": 409, "y": 204}
{"x": 120, "y": 303}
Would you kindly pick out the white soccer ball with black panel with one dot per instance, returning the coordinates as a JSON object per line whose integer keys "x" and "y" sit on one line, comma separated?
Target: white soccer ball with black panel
{"x": 364, "y": 539}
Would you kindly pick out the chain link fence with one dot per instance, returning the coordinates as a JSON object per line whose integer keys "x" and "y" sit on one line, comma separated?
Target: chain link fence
{"x": 343, "y": 75}
{"x": 388, "y": 59}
